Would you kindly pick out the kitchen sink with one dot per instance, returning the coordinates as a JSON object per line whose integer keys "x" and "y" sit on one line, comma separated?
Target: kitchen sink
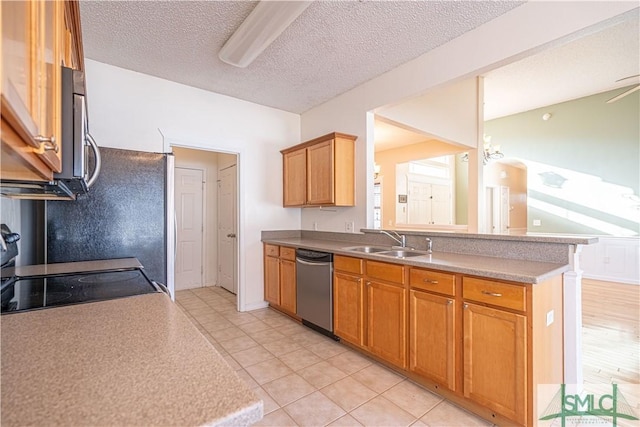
{"x": 367, "y": 249}
{"x": 403, "y": 254}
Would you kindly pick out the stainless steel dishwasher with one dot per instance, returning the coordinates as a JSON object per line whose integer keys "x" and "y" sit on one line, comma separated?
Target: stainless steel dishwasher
{"x": 314, "y": 279}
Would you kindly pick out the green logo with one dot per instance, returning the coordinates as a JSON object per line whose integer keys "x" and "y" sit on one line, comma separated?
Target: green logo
{"x": 607, "y": 406}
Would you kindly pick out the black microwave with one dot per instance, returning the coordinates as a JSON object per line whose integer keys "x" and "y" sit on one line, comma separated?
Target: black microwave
{"x": 80, "y": 154}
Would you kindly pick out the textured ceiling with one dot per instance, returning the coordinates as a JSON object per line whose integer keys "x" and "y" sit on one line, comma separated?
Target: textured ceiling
{"x": 332, "y": 47}
{"x": 583, "y": 67}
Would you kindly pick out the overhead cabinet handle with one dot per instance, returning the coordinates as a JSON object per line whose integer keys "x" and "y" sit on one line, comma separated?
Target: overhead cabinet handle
{"x": 47, "y": 143}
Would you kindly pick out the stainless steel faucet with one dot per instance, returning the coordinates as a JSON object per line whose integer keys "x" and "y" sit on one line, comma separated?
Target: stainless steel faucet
{"x": 398, "y": 238}
{"x": 429, "y": 245}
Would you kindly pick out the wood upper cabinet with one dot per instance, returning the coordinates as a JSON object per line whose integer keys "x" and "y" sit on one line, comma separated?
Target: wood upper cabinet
{"x": 295, "y": 177}
{"x": 432, "y": 337}
{"x": 34, "y": 41}
{"x": 320, "y": 172}
{"x": 495, "y": 360}
{"x": 320, "y": 166}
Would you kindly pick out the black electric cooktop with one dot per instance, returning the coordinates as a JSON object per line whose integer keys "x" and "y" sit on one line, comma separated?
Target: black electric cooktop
{"x": 38, "y": 292}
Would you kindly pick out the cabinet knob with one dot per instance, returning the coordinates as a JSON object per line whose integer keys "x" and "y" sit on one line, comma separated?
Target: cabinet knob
{"x": 449, "y": 302}
{"x": 491, "y": 294}
{"x": 433, "y": 282}
{"x": 466, "y": 306}
{"x": 48, "y": 144}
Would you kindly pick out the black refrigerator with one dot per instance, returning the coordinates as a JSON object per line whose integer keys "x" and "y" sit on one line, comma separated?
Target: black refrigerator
{"x": 128, "y": 212}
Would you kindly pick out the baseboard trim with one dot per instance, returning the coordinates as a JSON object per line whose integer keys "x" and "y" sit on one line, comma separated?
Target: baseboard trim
{"x": 611, "y": 279}
{"x": 256, "y": 306}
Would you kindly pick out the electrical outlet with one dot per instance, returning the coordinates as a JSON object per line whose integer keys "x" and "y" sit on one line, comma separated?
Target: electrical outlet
{"x": 348, "y": 226}
{"x": 549, "y": 317}
{"x": 315, "y": 226}
{"x": 537, "y": 223}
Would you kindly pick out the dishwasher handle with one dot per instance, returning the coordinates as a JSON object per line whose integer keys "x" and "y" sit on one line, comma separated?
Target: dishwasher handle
{"x": 314, "y": 264}
{"x": 313, "y": 256}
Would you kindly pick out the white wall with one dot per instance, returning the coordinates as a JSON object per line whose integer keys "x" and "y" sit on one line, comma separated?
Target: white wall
{"x": 520, "y": 32}
{"x": 450, "y": 113}
{"x": 613, "y": 259}
{"x": 129, "y": 110}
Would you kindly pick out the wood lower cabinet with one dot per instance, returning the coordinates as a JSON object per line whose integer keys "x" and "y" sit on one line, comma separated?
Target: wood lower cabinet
{"x": 280, "y": 277}
{"x": 432, "y": 337}
{"x": 288, "y": 285}
{"x": 348, "y": 308}
{"x": 485, "y": 344}
{"x": 272, "y": 279}
{"x": 320, "y": 172}
{"x": 370, "y": 307}
{"x": 495, "y": 360}
{"x": 387, "y": 322}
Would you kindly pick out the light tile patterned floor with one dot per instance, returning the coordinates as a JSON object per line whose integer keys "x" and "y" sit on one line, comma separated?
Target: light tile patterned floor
{"x": 306, "y": 379}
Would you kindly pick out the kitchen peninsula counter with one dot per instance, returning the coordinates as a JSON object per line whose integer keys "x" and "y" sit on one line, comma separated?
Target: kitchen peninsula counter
{"x": 129, "y": 361}
{"x": 515, "y": 270}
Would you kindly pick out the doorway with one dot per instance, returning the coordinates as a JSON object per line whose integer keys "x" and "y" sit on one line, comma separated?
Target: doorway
{"x": 219, "y": 260}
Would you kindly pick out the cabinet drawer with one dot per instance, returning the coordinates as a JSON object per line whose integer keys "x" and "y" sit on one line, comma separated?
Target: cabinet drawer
{"x": 443, "y": 283}
{"x": 272, "y": 250}
{"x": 287, "y": 253}
{"x": 495, "y": 293}
{"x": 348, "y": 264}
{"x": 384, "y": 271}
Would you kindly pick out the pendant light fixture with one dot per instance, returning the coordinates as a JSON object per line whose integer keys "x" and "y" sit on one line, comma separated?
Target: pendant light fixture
{"x": 263, "y": 25}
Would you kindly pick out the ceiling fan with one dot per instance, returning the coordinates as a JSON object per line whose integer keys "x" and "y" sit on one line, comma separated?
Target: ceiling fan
{"x": 626, "y": 92}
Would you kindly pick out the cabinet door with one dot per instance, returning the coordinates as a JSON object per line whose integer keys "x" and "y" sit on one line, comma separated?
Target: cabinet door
{"x": 288, "y": 285}
{"x": 272, "y": 280}
{"x": 31, "y": 59}
{"x": 386, "y": 322}
{"x": 49, "y": 78}
{"x": 348, "y": 310}
{"x": 19, "y": 70}
{"x": 432, "y": 348}
{"x": 495, "y": 360}
{"x": 320, "y": 174}
{"x": 295, "y": 178}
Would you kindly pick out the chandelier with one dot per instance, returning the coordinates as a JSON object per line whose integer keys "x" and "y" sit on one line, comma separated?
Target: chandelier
{"x": 490, "y": 152}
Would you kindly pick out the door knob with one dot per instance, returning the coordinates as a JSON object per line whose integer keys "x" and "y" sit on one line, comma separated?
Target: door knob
{"x": 232, "y": 235}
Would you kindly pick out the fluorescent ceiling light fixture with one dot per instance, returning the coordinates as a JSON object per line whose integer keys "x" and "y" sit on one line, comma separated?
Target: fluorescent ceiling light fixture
{"x": 263, "y": 25}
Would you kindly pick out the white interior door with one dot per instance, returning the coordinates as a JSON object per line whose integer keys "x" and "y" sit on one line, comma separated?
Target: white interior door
{"x": 441, "y": 209}
{"x": 418, "y": 203}
{"x": 227, "y": 239}
{"x": 189, "y": 221}
{"x": 505, "y": 209}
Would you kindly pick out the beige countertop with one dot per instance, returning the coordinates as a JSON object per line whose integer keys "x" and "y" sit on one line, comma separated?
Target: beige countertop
{"x": 515, "y": 270}
{"x": 130, "y": 361}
